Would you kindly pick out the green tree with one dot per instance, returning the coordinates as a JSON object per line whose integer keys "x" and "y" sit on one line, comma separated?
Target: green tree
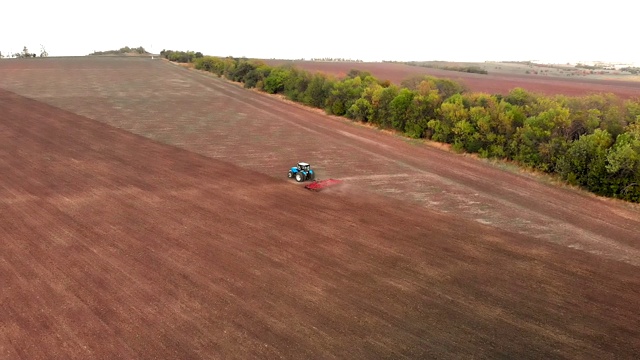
{"x": 242, "y": 68}
{"x": 401, "y": 109}
{"x": 255, "y": 78}
{"x": 229, "y": 67}
{"x": 623, "y": 165}
{"x": 354, "y": 73}
{"x": 585, "y": 117}
{"x": 632, "y": 111}
{"x": 274, "y": 83}
{"x": 490, "y": 125}
{"x": 424, "y": 107}
{"x": 520, "y": 97}
{"x": 445, "y": 87}
{"x": 475, "y": 134}
{"x": 25, "y": 53}
{"x": 344, "y": 94}
{"x": 585, "y": 160}
{"x": 360, "y": 110}
{"x": 380, "y": 102}
{"x": 296, "y": 84}
{"x": 176, "y": 56}
{"x": 210, "y": 64}
{"x": 448, "y": 88}
{"x": 317, "y": 91}
{"x": 451, "y": 112}
{"x": 543, "y": 138}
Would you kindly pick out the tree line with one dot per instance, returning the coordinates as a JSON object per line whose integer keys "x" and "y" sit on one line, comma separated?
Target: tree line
{"x": 180, "y": 56}
{"x": 124, "y": 50}
{"x": 591, "y": 141}
{"x": 631, "y": 69}
{"x": 26, "y": 53}
{"x": 444, "y": 66}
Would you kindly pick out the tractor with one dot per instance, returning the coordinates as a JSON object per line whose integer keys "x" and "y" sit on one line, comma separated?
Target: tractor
{"x": 302, "y": 172}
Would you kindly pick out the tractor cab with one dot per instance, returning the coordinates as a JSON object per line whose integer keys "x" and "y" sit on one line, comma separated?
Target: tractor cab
{"x": 303, "y": 167}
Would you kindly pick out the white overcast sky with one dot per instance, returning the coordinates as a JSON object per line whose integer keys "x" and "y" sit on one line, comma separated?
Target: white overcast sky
{"x": 463, "y": 30}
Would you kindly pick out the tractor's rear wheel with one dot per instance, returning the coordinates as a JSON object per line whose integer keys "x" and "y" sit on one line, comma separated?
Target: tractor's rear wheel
{"x": 299, "y": 177}
{"x": 312, "y": 176}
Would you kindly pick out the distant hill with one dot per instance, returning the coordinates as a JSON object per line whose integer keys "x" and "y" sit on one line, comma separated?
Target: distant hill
{"x": 123, "y": 51}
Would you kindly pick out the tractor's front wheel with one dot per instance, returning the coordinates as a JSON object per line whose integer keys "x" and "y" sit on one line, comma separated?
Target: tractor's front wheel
{"x": 299, "y": 177}
{"x": 290, "y": 175}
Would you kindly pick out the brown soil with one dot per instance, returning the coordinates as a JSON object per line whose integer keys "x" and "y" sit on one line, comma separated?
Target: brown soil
{"x": 187, "y": 241}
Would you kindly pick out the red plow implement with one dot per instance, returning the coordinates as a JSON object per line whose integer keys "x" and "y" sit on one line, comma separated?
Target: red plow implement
{"x": 322, "y": 184}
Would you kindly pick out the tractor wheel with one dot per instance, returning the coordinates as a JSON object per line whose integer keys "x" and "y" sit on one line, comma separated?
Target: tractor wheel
{"x": 290, "y": 174}
{"x": 312, "y": 176}
{"x": 299, "y": 177}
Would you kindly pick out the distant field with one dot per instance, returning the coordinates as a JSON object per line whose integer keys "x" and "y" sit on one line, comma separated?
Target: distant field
{"x": 145, "y": 213}
{"x": 498, "y": 81}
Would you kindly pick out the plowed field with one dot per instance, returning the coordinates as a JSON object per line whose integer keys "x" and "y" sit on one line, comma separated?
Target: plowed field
{"x": 145, "y": 213}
